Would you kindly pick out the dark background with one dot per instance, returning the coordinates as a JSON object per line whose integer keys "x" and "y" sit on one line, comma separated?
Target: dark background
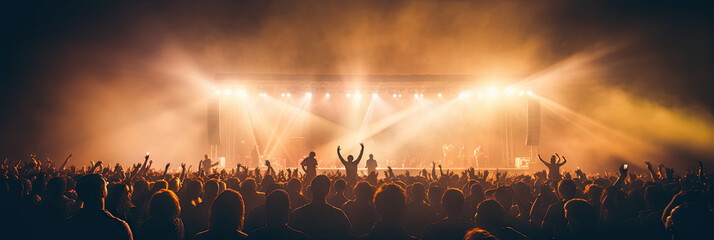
{"x": 72, "y": 70}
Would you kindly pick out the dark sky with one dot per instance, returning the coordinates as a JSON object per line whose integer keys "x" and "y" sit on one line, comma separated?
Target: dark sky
{"x": 53, "y": 51}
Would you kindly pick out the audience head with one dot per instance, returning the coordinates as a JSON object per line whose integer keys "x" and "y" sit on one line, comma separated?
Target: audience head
{"x": 248, "y": 186}
{"x": 91, "y": 188}
{"x": 504, "y": 196}
{"x": 452, "y": 202}
{"x": 340, "y": 185}
{"x": 580, "y": 215}
{"x": 194, "y": 189}
{"x": 277, "y": 207}
{"x": 118, "y": 195}
{"x": 320, "y": 186}
{"x": 390, "y": 202}
{"x": 687, "y": 221}
{"x": 364, "y": 192}
{"x": 56, "y": 186}
{"x": 567, "y": 189}
{"x": 476, "y": 190}
{"x": 371, "y": 156}
{"x": 489, "y": 214}
{"x": 294, "y": 185}
{"x": 479, "y": 234}
{"x": 418, "y": 192}
{"x": 435, "y": 193}
{"x": 210, "y": 190}
{"x": 226, "y": 213}
{"x": 312, "y": 154}
{"x": 655, "y": 197}
{"x": 164, "y": 206}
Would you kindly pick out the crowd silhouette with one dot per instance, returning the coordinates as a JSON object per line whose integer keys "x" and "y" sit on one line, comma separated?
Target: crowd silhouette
{"x": 39, "y": 200}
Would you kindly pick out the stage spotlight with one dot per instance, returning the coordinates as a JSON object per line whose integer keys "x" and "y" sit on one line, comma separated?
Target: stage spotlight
{"x": 416, "y": 95}
{"x": 440, "y": 95}
{"x": 492, "y": 92}
{"x": 358, "y": 95}
{"x": 218, "y": 92}
{"x": 282, "y": 94}
{"x": 463, "y": 95}
{"x": 400, "y": 95}
{"x": 480, "y": 95}
{"x": 308, "y": 95}
{"x": 530, "y": 92}
{"x": 509, "y": 91}
{"x": 242, "y": 93}
{"x": 421, "y": 95}
{"x": 394, "y": 95}
{"x": 375, "y": 95}
{"x": 348, "y": 95}
{"x": 288, "y": 94}
{"x": 227, "y": 92}
{"x": 521, "y": 93}
{"x": 327, "y": 95}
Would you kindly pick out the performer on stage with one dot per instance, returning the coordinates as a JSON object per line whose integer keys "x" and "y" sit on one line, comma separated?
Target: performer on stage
{"x": 351, "y": 164}
{"x": 461, "y": 157}
{"x": 477, "y": 156}
{"x": 207, "y": 165}
{"x": 309, "y": 165}
{"x": 254, "y": 157}
{"x": 371, "y": 164}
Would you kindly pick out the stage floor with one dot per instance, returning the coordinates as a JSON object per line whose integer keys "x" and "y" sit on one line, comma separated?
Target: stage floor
{"x": 415, "y": 171}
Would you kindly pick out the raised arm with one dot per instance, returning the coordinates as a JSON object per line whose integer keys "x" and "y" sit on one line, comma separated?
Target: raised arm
{"x": 183, "y": 172}
{"x": 541, "y": 160}
{"x": 340, "y": 155}
{"x": 166, "y": 170}
{"x": 361, "y": 151}
{"x": 303, "y": 165}
{"x": 65, "y": 161}
{"x": 563, "y": 162}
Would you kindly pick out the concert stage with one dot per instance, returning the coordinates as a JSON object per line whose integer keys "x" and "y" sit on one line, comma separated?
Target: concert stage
{"x": 412, "y": 120}
{"x": 416, "y": 171}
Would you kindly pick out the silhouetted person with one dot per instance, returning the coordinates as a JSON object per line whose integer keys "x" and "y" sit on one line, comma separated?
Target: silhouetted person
{"x": 92, "y": 221}
{"x": 490, "y": 217}
{"x": 294, "y": 188}
{"x": 251, "y": 197}
{"x": 361, "y": 211}
{"x": 451, "y": 227}
{"x": 339, "y": 197}
{"x": 277, "y": 207}
{"x": 419, "y": 212}
{"x": 55, "y": 207}
{"x": 650, "y": 218}
{"x": 190, "y": 213}
{"x": 554, "y": 221}
{"x": 351, "y": 163}
{"x": 553, "y": 167}
{"x": 479, "y": 234}
{"x": 226, "y": 218}
{"x": 582, "y": 220}
{"x": 318, "y": 219}
{"x": 690, "y": 221}
{"x": 210, "y": 191}
{"x": 256, "y": 217}
{"x": 119, "y": 204}
{"x": 474, "y": 198}
{"x": 309, "y": 165}
{"x": 371, "y": 164}
{"x": 208, "y": 164}
{"x": 163, "y": 222}
{"x": 390, "y": 202}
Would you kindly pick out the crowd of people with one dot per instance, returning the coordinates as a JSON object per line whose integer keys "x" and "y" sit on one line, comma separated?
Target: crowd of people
{"x": 41, "y": 200}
